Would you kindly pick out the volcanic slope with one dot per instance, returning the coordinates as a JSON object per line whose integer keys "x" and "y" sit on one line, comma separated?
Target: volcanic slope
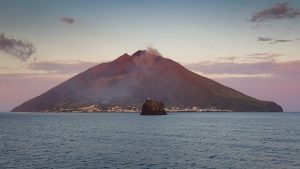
{"x": 130, "y": 79}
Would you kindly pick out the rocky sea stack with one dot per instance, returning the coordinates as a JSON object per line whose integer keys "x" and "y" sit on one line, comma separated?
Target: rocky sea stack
{"x": 152, "y": 107}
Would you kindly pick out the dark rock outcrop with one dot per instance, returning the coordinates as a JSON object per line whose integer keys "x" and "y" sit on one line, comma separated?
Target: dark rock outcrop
{"x": 152, "y": 107}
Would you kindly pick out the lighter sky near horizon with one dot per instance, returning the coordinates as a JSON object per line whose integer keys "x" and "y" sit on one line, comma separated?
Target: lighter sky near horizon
{"x": 249, "y": 45}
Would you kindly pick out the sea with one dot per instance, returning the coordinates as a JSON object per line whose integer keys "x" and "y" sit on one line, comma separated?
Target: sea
{"x": 128, "y": 140}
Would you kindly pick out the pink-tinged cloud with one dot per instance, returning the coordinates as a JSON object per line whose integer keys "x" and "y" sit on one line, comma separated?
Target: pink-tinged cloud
{"x": 231, "y": 67}
{"x": 21, "y": 49}
{"x": 275, "y": 40}
{"x": 264, "y": 56}
{"x": 62, "y": 67}
{"x": 282, "y": 41}
{"x": 271, "y": 67}
{"x": 230, "y": 58}
{"x": 67, "y": 20}
{"x": 278, "y": 11}
{"x": 248, "y": 58}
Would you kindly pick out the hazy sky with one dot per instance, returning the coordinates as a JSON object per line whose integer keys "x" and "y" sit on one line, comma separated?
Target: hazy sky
{"x": 250, "y": 45}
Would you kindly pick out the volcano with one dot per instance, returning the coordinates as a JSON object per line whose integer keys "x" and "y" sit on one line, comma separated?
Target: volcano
{"x": 130, "y": 79}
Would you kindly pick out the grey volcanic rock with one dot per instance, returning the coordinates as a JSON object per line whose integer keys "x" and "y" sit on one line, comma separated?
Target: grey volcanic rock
{"x": 153, "y": 107}
{"x": 129, "y": 79}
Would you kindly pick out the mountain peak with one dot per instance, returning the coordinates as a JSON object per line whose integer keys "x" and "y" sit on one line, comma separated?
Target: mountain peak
{"x": 139, "y": 53}
{"x": 145, "y": 58}
{"x": 150, "y": 52}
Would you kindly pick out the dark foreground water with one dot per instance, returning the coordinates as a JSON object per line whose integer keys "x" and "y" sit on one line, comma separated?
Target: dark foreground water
{"x": 124, "y": 140}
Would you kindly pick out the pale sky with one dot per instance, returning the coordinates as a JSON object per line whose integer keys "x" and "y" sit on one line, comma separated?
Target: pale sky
{"x": 250, "y": 45}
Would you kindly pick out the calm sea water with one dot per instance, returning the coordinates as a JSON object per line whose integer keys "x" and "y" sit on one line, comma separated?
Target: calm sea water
{"x": 127, "y": 140}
